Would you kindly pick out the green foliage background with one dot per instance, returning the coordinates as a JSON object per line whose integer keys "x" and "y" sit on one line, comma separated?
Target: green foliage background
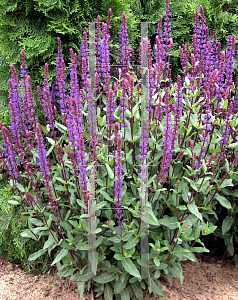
{"x": 33, "y": 25}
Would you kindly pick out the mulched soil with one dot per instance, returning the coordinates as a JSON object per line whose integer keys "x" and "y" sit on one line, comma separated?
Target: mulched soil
{"x": 214, "y": 278}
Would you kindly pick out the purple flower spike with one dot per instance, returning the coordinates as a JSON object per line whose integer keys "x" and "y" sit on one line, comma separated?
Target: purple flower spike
{"x": 42, "y": 160}
{"x": 124, "y": 53}
{"x": 10, "y": 153}
{"x": 105, "y": 56}
{"x": 15, "y": 97}
{"x": 62, "y": 89}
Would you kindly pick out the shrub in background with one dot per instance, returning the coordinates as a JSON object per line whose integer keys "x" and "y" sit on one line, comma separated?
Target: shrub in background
{"x": 187, "y": 141}
{"x": 35, "y": 25}
{"x": 221, "y": 17}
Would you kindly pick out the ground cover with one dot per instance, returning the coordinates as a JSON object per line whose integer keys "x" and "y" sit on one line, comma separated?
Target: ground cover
{"x": 214, "y": 278}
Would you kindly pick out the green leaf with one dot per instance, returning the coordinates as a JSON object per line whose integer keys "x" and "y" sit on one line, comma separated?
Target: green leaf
{"x": 209, "y": 230}
{"x": 62, "y": 254}
{"x": 105, "y": 278}
{"x": 61, "y": 127}
{"x": 110, "y": 172}
{"x": 137, "y": 290}
{"x": 194, "y": 210}
{"x": 106, "y": 196}
{"x": 51, "y": 141}
{"x": 199, "y": 249}
{"x": 37, "y": 254}
{"x": 28, "y": 234}
{"x": 155, "y": 287}
{"x": 223, "y": 201}
{"x": 226, "y": 224}
{"x": 125, "y": 295}
{"x": 176, "y": 271}
{"x": 84, "y": 277}
{"x": 36, "y": 222}
{"x": 225, "y": 183}
{"x": 49, "y": 151}
{"x": 184, "y": 254}
{"x": 108, "y": 292}
{"x": 131, "y": 243}
{"x": 119, "y": 257}
{"x": 232, "y": 145}
{"x": 170, "y": 222}
{"x": 152, "y": 219}
{"x": 120, "y": 285}
{"x": 81, "y": 285}
{"x": 20, "y": 187}
{"x": 191, "y": 183}
{"x": 225, "y": 104}
{"x": 81, "y": 246}
{"x": 130, "y": 267}
{"x": 185, "y": 192}
{"x": 93, "y": 259}
{"x": 13, "y": 202}
{"x": 66, "y": 272}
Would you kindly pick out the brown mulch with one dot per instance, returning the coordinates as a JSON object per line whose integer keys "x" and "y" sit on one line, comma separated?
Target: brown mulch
{"x": 214, "y": 278}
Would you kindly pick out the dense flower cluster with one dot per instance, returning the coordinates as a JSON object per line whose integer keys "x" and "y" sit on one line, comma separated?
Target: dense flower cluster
{"x": 124, "y": 53}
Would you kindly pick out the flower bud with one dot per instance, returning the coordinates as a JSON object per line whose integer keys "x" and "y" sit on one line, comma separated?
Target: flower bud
{"x": 178, "y": 183}
{"x": 212, "y": 157}
{"x": 180, "y": 155}
{"x": 116, "y": 129}
{"x": 185, "y": 226}
{"x": 107, "y": 223}
{"x": 191, "y": 145}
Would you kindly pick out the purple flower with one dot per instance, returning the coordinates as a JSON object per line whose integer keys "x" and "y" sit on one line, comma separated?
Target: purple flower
{"x": 45, "y": 83}
{"x": 123, "y": 102}
{"x": 105, "y": 56}
{"x": 123, "y": 46}
{"x": 15, "y": 97}
{"x": 42, "y": 160}
{"x": 83, "y": 61}
{"x": 230, "y": 60}
{"x": 50, "y": 111}
{"x": 62, "y": 89}
{"x": 167, "y": 31}
{"x": 10, "y": 153}
{"x": 74, "y": 86}
{"x": 167, "y": 140}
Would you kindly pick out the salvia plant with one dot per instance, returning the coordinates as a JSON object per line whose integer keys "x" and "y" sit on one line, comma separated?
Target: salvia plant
{"x": 95, "y": 147}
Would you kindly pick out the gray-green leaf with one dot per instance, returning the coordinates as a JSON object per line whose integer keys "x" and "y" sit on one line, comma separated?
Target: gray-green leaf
{"x": 226, "y": 224}
{"x": 108, "y": 292}
{"x": 223, "y": 201}
{"x": 130, "y": 267}
{"x": 105, "y": 278}
{"x": 194, "y": 210}
{"x": 62, "y": 254}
